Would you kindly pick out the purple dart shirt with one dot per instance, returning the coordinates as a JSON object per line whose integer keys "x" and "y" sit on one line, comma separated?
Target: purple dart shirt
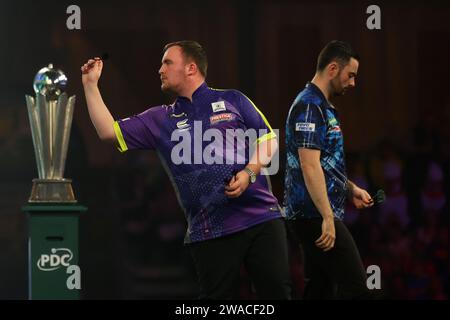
{"x": 191, "y": 140}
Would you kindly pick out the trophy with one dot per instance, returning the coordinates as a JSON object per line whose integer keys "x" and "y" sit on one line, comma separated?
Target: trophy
{"x": 50, "y": 114}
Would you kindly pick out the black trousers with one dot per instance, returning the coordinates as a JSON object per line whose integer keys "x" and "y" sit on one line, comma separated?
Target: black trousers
{"x": 335, "y": 274}
{"x": 262, "y": 249}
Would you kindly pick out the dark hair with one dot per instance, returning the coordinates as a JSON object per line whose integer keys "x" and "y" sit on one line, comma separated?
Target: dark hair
{"x": 338, "y": 51}
{"x": 192, "y": 50}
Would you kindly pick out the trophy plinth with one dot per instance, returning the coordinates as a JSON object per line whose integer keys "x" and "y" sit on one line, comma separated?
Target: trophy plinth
{"x": 52, "y": 190}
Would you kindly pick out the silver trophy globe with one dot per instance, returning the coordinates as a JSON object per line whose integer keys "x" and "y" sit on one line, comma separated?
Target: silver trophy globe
{"x": 50, "y": 114}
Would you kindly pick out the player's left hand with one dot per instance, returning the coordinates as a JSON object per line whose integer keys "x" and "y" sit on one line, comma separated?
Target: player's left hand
{"x": 237, "y": 185}
{"x": 361, "y": 198}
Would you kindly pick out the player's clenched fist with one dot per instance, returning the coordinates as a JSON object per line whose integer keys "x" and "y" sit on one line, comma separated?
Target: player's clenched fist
{"x": 91, "y": 71}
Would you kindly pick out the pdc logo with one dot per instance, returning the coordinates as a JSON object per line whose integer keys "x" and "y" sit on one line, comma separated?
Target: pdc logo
{"x": 58, "y": 257}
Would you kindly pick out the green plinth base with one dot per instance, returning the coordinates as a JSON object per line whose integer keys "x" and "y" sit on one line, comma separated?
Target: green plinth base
{"x": 53, "y": 255}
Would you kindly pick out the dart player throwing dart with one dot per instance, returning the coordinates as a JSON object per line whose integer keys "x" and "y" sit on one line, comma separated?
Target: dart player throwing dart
{"x": 233, "y": 217}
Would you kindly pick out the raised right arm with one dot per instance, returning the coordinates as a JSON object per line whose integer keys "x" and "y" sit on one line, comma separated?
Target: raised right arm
{"x": 100, "y": 116}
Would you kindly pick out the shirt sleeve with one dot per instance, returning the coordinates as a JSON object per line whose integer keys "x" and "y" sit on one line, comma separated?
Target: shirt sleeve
{"x": 309, "y": 127}
{"x": 255, "y": 119}
{"x": 135, "y": 132}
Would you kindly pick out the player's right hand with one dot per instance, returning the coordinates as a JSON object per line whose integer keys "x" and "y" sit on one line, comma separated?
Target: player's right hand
{"x": 326, "y": 240}
{"x": 91, "y": 71}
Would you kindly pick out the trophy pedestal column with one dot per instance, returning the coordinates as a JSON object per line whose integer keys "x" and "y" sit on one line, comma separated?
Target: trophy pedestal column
{"x": 53, "y": 255}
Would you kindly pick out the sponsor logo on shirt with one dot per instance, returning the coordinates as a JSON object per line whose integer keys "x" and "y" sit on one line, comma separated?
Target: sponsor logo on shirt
{"x": 183, "y": 124}
{"x": 183, "y": 114}
{"x": 335, "y": 129}
{"x": 334, "y": 125}
{"x": 218, "y": 106}
{"x": 220, "y": 117}
{"x": 333, "y": 122}
{"x": 305, "y": 126}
